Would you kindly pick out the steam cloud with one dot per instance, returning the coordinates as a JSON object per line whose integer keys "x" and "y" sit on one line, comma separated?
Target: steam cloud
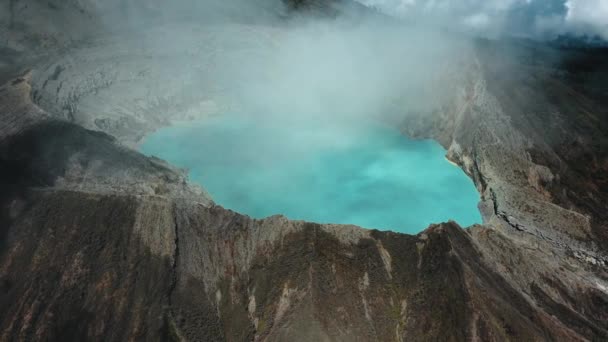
{"x": 322, "y": 76}
{"x": 337, "y": 72}
{"x": 532, "y": 18}
{"x": 311, "y": 70}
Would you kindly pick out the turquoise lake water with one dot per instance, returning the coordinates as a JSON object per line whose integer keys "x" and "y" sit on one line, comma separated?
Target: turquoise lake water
{"x": 368, "y": 175}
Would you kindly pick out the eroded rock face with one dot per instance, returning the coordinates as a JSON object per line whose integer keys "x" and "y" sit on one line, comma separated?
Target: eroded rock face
{"x": 98, "y": 242}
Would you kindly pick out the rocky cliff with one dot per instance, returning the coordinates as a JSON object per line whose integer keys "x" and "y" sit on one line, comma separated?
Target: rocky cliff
{"x": 98, "y": 242}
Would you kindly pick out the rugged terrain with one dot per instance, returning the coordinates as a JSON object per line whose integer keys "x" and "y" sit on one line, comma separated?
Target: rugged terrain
{"x": 98, "y": 242}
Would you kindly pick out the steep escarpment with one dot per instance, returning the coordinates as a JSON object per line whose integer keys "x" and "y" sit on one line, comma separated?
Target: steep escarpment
{"x": 128, "y": 86}
{"x": 519, "y": 131}
{"x": 74, "y": 268}
{"x": 99, "y": 242}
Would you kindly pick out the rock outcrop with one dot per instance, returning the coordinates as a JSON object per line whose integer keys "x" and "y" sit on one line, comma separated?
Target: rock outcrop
{"x": 98, "y": 242}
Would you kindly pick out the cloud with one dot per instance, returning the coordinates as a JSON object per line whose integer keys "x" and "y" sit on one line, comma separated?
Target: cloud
{"x": 477, "y": 21}
{"x": 532, "y": 18}
{"x": 588, "y": 16}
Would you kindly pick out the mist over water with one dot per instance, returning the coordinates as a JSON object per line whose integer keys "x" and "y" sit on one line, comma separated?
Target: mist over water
{"x": 366, "y": 174}
{"x": 296, "y": 127}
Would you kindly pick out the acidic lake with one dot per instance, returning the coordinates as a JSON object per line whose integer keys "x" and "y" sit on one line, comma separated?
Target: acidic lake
{"x": 369, "y": 175}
